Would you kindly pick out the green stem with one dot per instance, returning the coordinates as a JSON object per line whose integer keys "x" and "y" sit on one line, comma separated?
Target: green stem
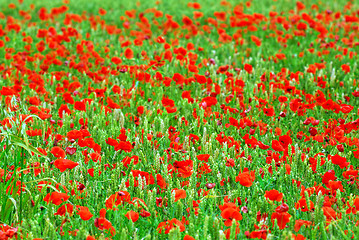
{"x": 21, "y": 181}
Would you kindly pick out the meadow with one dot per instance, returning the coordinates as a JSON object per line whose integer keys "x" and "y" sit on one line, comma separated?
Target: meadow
{"x": 179, "y": 119}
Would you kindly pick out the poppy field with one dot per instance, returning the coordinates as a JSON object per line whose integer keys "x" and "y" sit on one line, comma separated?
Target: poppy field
{"x": 179, "y": 120}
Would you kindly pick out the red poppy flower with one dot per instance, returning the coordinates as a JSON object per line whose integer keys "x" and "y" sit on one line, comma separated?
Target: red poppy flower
{"x": 256, "y": 40}
{"x": 128, "y": 53}
{"x": 179, "y": 194}
{"x": 188, "y": 237}
{"x": 285, "y": 140}
{"x": 353, "y": 208}
{"x": 274, "y": 195}
{"x": 269, "y": 112}
{"x": 81, "y": 106}
{"x": 34, "y": 101}
{"x": 248, "y": 68}
{"x": 209, "y": 101}
{"x": 144, "y": 213}
{"x": 124, "y": 146}
{"x": 231, "y": 214}
{"x": 74, "y": 134}
{"x": 131, "y": 215}
{"x": 116, "y": 60}
{"x": 67, "y": 208}
{"x": 56, "y": 198}
{"x": 299, "y": 223}
{"x": 184, "y": 168}
{"x": 102, "y": 11}
{"x": 261, "y": 234}
{"x": 169, "y": 225}
{"x": 282, "y": 219}
{"x": 302, "y": 205}
{"x": 344, "y": 108}
{"x": 346, "y": 68}
{"x": 350, "y": 173}
{"x": 161, "y": 181}
{"x": 340, "y": 161}
{"x": 262, "y": 145}
{"x": 103, "y": 224}
{"x": 194, "y": 5}
{"x": 277, "y": 146}
{"x": 68, "y": 98}
{"x": 84, "y": 213}
{"x": 203, "y": 157}
{"x": 171, "y": 109}
{"x": 63, "y": 164}
{"x": 117, "y": 199}
{"x": 58, "y": 152}
{"x": 230, "y": 162}
{"x": 246, "y": 178}
{"x": 329, "y": 213}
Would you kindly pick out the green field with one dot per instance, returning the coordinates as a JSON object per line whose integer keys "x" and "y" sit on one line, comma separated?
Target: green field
{"x": 179, "y": 120}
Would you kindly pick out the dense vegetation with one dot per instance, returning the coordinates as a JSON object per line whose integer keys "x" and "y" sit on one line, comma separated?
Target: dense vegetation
{"x": 179, "y": 120}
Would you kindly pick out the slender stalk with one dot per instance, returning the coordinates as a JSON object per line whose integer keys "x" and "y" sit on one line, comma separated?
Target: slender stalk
{"x": 21, "y": 181}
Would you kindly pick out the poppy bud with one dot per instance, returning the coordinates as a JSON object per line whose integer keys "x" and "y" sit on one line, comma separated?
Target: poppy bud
{"x": 244, "y": 209}
{"x": 307, "y": 121}
{"x": 313, "y": 131}
{"x": 315, "y": 122}
{"x": 341, "y": 120}
{"x": 96, "y": 223}
{"x": 70, "y": 150}
{"x": 145, "y": 213}
{"x": 282, "y": 208}
{"x": 252, "y": 131}
{"x": 60, "y": 123}
{"x": 158, "y": 201}
{"x": 340, "y": 147}
{"x": 161, "y": 39}
{"x": 80, "y": 187}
